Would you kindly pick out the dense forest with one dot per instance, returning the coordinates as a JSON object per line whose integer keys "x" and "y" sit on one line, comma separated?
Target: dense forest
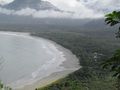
{"x": 92, "y": 48}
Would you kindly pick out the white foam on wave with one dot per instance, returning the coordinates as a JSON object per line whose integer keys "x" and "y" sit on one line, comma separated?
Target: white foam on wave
{"x": 51, "y": 66}
{"x": 46, "y": 69}
{"x": 15, "y": 34}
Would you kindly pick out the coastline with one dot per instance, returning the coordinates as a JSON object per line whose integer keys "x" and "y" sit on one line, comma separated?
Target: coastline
{"x": 71, "y": 64}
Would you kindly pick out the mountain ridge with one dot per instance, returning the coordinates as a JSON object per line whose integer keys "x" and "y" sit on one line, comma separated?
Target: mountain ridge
{"x": 33, "y": 4}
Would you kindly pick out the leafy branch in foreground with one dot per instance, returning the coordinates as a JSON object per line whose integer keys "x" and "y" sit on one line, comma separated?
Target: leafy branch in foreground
{"x": 113, "y": 19}
{"x": 114, "y": 64}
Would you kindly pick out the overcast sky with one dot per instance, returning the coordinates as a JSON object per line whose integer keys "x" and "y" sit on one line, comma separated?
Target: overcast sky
{"x": 81, "y": 8}
{"x": 2, "y": 2}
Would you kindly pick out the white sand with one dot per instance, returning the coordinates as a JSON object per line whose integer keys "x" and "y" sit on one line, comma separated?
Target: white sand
{"x": 71, "y": 64}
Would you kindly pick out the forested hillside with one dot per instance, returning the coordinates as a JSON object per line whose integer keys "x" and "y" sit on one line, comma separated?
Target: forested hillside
{"x": 92, "y": 48}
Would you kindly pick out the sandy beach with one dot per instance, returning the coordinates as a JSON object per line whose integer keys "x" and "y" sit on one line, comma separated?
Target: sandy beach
{"x": 70, "y": 64}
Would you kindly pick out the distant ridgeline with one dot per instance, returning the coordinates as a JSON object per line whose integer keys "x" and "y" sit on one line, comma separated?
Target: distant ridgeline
{"x": 3, "y": 87}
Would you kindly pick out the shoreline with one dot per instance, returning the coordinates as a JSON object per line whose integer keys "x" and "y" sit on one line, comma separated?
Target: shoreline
{"x": 70, "y": 64}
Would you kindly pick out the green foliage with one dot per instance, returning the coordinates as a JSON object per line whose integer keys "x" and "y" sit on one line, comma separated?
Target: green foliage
{"x": 113, "y": 19}
{"x": 68, "y": 84}
{"x": 114, "y": 64}
{"x": 3, "y": 87}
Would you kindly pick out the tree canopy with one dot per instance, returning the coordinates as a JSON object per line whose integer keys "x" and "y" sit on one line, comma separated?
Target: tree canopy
{"x": 114, "y": 62}
{"x": 114, "y": 19}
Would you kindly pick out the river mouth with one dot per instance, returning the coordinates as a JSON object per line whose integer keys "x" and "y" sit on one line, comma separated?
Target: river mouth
{"x": 26, "y": 59}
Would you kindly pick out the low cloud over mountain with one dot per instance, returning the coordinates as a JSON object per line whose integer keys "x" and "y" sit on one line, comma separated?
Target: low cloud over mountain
{"x": 59, "y": 8}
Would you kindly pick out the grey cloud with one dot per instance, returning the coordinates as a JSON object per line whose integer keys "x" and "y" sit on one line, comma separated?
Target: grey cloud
{"x": 46, "y": 9}
{"x": 46, "y": 13}
{"x": 43, "y": 9}
{"x": 102, "y": 5}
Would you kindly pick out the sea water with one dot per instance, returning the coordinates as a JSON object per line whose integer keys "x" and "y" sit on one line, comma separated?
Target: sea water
{"x": 25, "y": 59}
